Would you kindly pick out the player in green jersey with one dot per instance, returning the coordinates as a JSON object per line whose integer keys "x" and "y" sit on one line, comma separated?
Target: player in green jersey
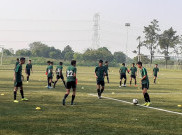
{"x": 59, "y": 74}
{"x": 50, "y": 75}
{"x": 100, "y": 74}
{"x": 71, "y": 81}
{"x": 28, "y": 69}
{"x": 133, "y": 71}
{"x": 145, "y": 83}
{"x": 18, "y": 80}
{"x": 155, "y": 72}
{"x": 107, "y": 68}
{"x": 122, "y": 72}
{"x": 48, "y": 64}
{"x": 17, "y": 62}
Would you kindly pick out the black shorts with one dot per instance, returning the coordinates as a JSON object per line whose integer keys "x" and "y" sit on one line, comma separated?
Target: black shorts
{"x": 146, "y": 85}
{"x": 155, "y": 75}
{"x": 60, "y": 77}
{"x": 18, "y": 84}
{"x": 107, "y": 74}
{"x": 133, "y": 76}
{"x": 48, "y": 78}
{"x": 122, "y": 76}
{"x": 28, "y": 72}
{"x": 70, "y": 85}
{"x": 102, "y": 83}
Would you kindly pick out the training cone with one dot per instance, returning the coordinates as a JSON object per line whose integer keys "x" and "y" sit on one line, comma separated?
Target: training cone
{"x": 179, "y": 105}
{"x": 38, "y": 108}
{"x": 82, "y": 88}
{"x": 113, "y": 93}
{"x": 2, "y": 94}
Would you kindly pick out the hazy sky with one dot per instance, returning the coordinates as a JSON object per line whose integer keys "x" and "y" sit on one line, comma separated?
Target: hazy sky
{"x": 61, "y": 22}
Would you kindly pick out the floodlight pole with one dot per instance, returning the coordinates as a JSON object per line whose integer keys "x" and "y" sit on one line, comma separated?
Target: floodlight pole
{"x": 127, "y": 25}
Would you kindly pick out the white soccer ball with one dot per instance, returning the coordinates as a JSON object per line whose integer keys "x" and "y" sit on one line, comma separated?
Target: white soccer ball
{"x": 135, "y": 101}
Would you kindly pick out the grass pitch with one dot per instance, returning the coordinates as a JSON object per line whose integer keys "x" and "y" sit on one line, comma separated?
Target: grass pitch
{"x": 90, "y": 115}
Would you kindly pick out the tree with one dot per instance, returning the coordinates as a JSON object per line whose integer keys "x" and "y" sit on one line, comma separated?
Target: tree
{"x": 24, "y": 52}
{"x": 78, "y": 56}
{"x": 67, "y": 53}
{"x": 120, "y": 57}
{"x": 7, "y": 52}
{"x": 144, "y": 59}
{"x": 151, "y": 37}
{"x": 168, "y": 40}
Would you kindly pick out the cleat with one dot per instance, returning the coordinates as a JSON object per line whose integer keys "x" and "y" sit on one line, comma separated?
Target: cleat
{"x": 148, "y": 104}
{"x": 46, "y": 86}
{"x": 63, "y": 102}
{"x": 27, "y": 81}
{"x": 145, "y": 104}
{"x": 16, "y": 101}
{"x": 72, "y": 103}
{"x": 119, "y": 86}
{"x": 123, "y": 85}
{"x": 24, "y": 99}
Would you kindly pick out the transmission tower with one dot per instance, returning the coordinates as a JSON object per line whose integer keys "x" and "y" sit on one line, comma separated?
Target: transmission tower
{"x": 96, "y": 36}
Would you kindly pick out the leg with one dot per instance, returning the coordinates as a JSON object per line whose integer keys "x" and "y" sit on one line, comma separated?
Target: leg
{"x": 130, "y": 81}
{"x": 120, "y": 82}
{"x": 102, "y": 90}
{"x": 107, "y": 78}
{"x": 21, "y": 91}
{"x": 55, "y": 82}
{"x": 28, "y": 78}
{"x": 135, "y": 81}
{"x": 146, "y": 95}
{"x": 73, "y": 96}
{"x": 98, "y": 90}
{"x": 66, "y": 95}
{"x": 15, "y": 92}
{"x": 125, "y": 81}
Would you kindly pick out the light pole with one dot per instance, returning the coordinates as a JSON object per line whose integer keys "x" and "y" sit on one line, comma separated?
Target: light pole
{"x": 127, "y": 25}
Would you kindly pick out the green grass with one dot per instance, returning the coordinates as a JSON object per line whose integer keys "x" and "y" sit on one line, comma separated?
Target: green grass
{"x": 90, "y": 115}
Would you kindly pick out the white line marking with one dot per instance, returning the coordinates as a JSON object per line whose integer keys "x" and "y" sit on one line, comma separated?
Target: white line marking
{"x": 163, "y": 110}
{"x": 117, "y": 93}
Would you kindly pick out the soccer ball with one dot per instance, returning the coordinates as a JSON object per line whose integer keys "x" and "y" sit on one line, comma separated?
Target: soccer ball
{"x": 135, "y": 101}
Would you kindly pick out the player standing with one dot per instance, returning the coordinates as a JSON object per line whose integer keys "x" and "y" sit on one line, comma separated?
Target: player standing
{"x": 100, "y": 73}
{"x": 133, "y": 71}
{"x": 18, "y": 81}
{"x": 59, "y": 73}
{"x": 107, "y": 68}
{"x": 48, "y": 64}
{"x": 122, "y": 72}
{"x": 50, "y": 75}
{"x": 27, "y": 69}
{"x": 17, "y": 62}
{"x": 155, "y": 72}
{"x": 145, "y": 83}
{"x": 71, "y": 82}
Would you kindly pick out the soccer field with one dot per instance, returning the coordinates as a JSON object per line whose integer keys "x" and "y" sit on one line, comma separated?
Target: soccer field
{"x": 90, "y": 115}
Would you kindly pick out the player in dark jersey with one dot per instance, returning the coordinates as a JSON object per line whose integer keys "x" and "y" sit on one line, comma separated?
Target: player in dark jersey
{"x": 17, "y": 62}
{"x": 107, "y": 68}
{"x": 59, "y": 74}
{"x": 100, "y": 74}
{"x": 48, "y": 64}
{"x": 155, "y": 72}
{"x": 28, "y": 69}
{"x": 18, "y": 80}
{"x": 71, "y": 82}
{"x": 133, "y": 71}
{"x": 145, "y": 83}
{"x": 122, "y": 72}
{"x": 50, "y": 75}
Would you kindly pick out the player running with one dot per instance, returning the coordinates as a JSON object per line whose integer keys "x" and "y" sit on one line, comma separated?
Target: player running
{"x": 145, "y": 83}
{"x": 100, "y": 74}
{"x": 59, "y": 74}
{"x": 122, "y": 72}
{"x": 28, "y": 69}
{"x": 18, "y": 77}
{"x": 71, "y": 82}
{"x": 107, "y": 68}
{"x": 155, "y": 72}
{"x": 133, "y": 71}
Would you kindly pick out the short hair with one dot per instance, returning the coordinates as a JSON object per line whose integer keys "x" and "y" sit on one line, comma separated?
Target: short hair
{"x": 22, "y": 58}
{"x": 30, "y": 60}
{"x": 52, "y": 62}
{"x": 106, "y": 62}
{"x": 17, "y": 59}
{"x": 133, "y": 63}
{"x": 73, "y": 62}
{"x": 61, "y": 63}
{"x": 48, "y": 62}
{"x": 100, "y": 61}
{"x": 139, "y": 63}
{"x": 123, "y": 64}
{"x": 156, "y": 64}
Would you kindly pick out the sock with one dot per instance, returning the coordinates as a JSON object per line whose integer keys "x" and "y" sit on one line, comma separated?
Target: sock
{"x": 27, "y": 78}
{"x": 124, "y": 82}
{"x": 47, "y": 82}
{"x": 130, "y": 82}
{"x": 148, "y": 97}
{"x": 65, "y": 96}
{"x": 135, "y": 82}
{"x": 52, "y": 82}
{"x": 102, "y": 90}
{"x": 107, "y": 79}
{"x": 22, "y": 95}
{"x": 64, "y": 83}
{"x": 98, "y": 91}
{"x": 73, "y": 98}
{"x": 55, "y": 83}
{"x": 120, "y": 83}
{"x": 15, "y": 95}
{"x": 145, "y": 97}
{"x": 154, "y": 80}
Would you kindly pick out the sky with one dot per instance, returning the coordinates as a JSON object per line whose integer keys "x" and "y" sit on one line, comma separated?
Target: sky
{"x": 70, "y": 22}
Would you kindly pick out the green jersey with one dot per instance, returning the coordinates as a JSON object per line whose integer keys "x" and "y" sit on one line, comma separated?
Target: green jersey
{"x": 106, "y": 69}
{"x": 100, "y": 71}
{"x": 133, "y": 70}
{"x": 143, "y": 73}
{"x": 59, "y": 69}
{"x": 17, "y": 63}
{"x": 50, "y": 71}
{"x": 123, "y": 70}
{"x": 71, "y": 70}
{"x": 28, "y": 67}
{"x": 155, "y": 71}
{"x": 18, "y": 73}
